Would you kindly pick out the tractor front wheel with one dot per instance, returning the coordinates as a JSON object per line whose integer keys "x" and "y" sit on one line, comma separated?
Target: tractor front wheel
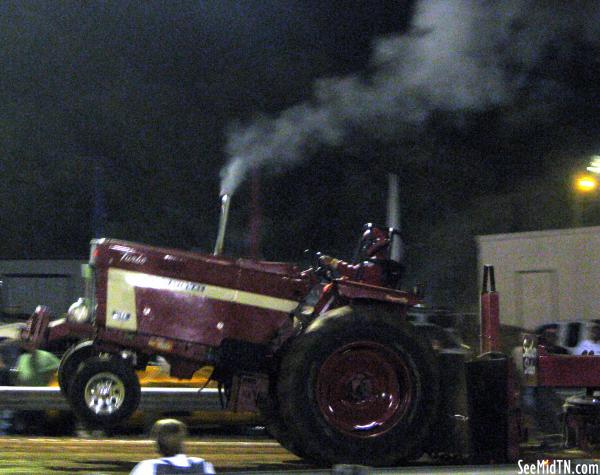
{"x": 70, "y": 362}
{"x": 105, "y": 391}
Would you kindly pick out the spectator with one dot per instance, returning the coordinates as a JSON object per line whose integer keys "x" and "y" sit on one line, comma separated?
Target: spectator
{"x": 589, "y": 346}
{"x": 547, "y": 402}
{"x": 34, "y": 368}
{"x": 517, "y": 356}
{"x": 542, "y": 407}
{"x": 170, "y": 436}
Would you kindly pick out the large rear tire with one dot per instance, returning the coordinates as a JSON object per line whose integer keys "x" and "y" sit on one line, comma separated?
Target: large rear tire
{"x": 105, "y": 391}
{"x": 275, "y": 425}
{"x": 358, "y": 388}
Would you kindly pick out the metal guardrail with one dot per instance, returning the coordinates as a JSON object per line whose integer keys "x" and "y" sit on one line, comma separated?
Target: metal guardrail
{"x": 28, "y": 398}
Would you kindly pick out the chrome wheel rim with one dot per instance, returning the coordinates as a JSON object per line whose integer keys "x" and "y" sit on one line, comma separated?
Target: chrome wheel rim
{"x": 104, "y": 393}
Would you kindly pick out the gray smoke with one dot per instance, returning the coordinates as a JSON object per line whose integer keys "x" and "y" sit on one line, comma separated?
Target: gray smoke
{"x": 458, "y": 56}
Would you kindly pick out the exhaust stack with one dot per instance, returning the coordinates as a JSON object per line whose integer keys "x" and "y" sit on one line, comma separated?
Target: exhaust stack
{"x": 225, "y": 200}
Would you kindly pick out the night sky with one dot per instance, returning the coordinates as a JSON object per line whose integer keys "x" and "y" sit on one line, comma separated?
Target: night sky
{"x": 128, "y": 118}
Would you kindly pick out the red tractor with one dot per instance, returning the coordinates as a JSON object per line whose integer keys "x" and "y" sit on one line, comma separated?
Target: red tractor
{"x": 339, "y": 373}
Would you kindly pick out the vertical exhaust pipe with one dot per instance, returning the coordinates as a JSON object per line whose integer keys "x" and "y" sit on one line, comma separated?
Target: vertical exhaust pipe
{"x": 393, "y": 216}
{"x": 490, "y": 313}
{"x": 225, "y": 200}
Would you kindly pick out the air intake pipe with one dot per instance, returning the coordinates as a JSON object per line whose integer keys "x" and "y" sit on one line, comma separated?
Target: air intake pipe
{"x": 225, "y": 200}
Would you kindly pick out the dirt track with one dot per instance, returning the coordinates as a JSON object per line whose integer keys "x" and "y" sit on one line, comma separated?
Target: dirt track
{"x": 60, "y": 455}
{"x": 37, "y": 455}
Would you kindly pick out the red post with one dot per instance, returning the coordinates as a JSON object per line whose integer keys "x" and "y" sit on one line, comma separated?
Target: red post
{"x": 490, "y": 313}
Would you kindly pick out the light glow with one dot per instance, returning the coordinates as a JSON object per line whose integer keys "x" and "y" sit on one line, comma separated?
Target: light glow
{"x": 594, "y": 165}
{"x": 586, "y": 183}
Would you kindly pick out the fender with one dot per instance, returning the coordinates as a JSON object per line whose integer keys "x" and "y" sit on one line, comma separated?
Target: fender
{"x": 353, "y": 290}
{"x": 82, "y": 346}
{"x": 340, "y": 292}
{"x": 70, "y": 361}
{"x": 335, "y": 313}
{"x": 343, "y": 311}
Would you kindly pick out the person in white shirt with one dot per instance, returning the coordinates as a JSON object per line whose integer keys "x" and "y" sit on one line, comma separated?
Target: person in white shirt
{"x": 590, "y": 346}
{"x": 170, "y": 436}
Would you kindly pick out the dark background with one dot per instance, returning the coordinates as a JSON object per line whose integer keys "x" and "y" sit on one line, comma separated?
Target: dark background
{"x": 116, "y": 119}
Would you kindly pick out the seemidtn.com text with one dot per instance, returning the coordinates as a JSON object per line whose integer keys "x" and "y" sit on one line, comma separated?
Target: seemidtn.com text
{"x": 557, "y": 467}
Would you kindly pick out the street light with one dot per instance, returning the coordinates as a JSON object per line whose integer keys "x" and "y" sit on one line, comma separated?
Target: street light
{"x": 586, "y": 183}
{"x": 585, "y": 187}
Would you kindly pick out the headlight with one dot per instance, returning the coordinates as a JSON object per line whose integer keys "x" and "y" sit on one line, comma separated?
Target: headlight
{"x": 79, "y": 311}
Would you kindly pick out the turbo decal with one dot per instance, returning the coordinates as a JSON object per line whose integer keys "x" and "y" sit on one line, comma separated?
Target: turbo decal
{"x": 122, "y": 284}
{"x": 133, "y": 259}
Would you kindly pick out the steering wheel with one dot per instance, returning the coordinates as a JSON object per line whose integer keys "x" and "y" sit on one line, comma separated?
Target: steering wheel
{"x": 323, "y": 271}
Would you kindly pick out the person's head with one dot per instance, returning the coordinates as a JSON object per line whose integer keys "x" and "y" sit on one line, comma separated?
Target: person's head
{"x": 528, "y": 340}
{"x": 170, "y": 435}
{"x": 375, "y": 242}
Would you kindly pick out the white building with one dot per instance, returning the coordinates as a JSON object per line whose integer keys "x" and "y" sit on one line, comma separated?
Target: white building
{"x": 545, "y": 276}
